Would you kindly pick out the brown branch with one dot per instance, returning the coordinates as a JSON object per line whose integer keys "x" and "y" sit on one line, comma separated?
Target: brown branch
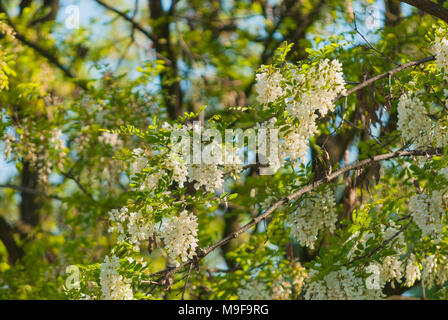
{"x": 186, "y": 281}
{"x": 385, "y": 75}
{"x": 295, "y": 195}
{"x": 30, "y": 191}
{"x": 429, "y": 7}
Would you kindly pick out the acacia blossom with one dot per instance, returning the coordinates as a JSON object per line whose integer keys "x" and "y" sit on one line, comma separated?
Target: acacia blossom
{"x": 253, "y": 290}
{"x": 180, "y": 236}
{"x": 412, "y": 271}
{"x": 342, "y": 284}
{"x": 312, "y": 92}
{"x": 113, "y": 285}
{"x": 315, "y": 212}
{"x": 281, "y": 289}
{"x": 268, "y": 86}
{"x": 440, "y": 49}
{"x": 427, "y": 212}
{"x": 131, "y": 226}
{"x": 415, "y": 124}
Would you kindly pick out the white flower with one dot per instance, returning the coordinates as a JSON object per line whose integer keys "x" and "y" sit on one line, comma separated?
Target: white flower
{"x": 294, "y": 144}
{"x": 139, "y": 160}
{"x": 112, "y": 139}
{"x": 180, "y": 170}
{"x": 427, "y": 212}
{"x": 412, "y": 271}
{"x": 373, "y": 281}
{"x": 208, "y": 175}
{"x": 435, "y": 270}
{"x": 268, "y": 87}
{"x": 391, "y": 269}
{"x": 342, "y": 284}
{"x": 131, "y": 226}
{"x": 440, "y": 49}
{"x": 316, "y": 212}
{"x": 281, "y": 290}
{"x": 180, "y": 236}
{"x": 299, "y": 275}
{"x": 321, "y": 85}
{"x": 253, "y": 290}
{"x": 413, "y": 121}
{"x": 416, "y": 125}
{"x": 113, "y": 285}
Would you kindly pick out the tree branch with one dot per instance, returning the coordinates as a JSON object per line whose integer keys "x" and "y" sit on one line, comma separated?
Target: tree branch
{"x": 30, "y": 191}
{"x": 385, "y": 75}
{"x": 429, "y": 7}
{"x": 295, "y": 195}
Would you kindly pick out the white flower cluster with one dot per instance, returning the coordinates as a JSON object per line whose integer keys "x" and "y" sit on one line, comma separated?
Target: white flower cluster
{"x": 178, "y": 167}
{"x": 207, "y": 173}
{"x": 435, "y": 270}
{"x": 316, "y": 212}
{"x": 112, "y": 139}
{"x": 416, "y": 125}
{"x": 412, "y": 271}
{"x": 440, "y": 49}
{"x": 342, "y": 284}
{"x": 131, "y": 226}
{"x": 113, "y": 285}
{"x": 295, "y": 143}
{"x": 316, "y": 92}
{"x": 179, "y": 233}
{"x": 44, "y": 153}
{"x": 180, "y": 236}
{"x": 268, "y": 87}
{"x": 413, "y": 122}
{"x": 299, "y": 275}
{"x": 281, "y": 290}
{"x": 388, "y": 270}
{"x": 253, "y": 290}
{"x": 313, "y": 91}
{"x": 427, "y": 212}
{"x": 139, "y": 160}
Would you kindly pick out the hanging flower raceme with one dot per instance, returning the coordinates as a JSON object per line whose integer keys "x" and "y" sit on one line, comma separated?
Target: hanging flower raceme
{"x": 440, "y": 49}
{"x": 253, "y": 290}
{"x": 315, "y": 213}
{"x": 180, "y": 236}
{"x": 343, "y": 284}
{"x": 310, "y": 94}
{"x": 131, "y": 226}
{"x": 113, "y": 285}
{"x": 268, "y": 86}
{"x": 428, "y": 212}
